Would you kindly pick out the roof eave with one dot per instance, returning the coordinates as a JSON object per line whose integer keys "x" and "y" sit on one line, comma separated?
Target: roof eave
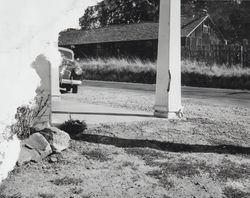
{"x": 197, "y": 26}
{"x": 102, "y": 42}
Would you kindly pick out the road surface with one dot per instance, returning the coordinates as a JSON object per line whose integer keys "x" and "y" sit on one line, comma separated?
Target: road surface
{"x": 213, "y": 95}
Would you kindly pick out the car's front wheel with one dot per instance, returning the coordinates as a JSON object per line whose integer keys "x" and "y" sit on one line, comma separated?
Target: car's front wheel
{"x": 74, "y": 89}
{"x": 68, "y": 88}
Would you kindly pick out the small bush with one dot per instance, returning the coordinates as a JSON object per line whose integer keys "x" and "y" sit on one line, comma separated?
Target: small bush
{"x": 73, "y": 127}
{"x": 28, "y": 115}
{"x": 23, "y": 122}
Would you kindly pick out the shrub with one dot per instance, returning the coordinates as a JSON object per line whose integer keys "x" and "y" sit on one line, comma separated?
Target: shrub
{"x": 73, "y": 127}
{"x": 27, "y": 115}
{"x": 23, "y": 124}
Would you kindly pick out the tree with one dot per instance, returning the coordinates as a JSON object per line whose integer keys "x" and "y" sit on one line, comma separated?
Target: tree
{"x": 112, "y": 12}
{"x": 232, "y": 17}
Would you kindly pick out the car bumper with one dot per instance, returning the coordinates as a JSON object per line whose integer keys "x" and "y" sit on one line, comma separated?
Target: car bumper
{"x": 71, "y": 82}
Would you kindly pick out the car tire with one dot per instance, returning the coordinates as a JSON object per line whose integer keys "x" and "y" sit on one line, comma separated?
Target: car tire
{"x": 68, "y": 88}
{"x": 74, "y": 89}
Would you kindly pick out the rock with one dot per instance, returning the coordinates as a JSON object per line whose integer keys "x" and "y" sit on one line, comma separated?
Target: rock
{"x": 53, "y": 160}
{"x": 48, "y": 134}
{"x": 35, "y": 148}
{"x": 27, "y": 155}
{"x": 58, "y": 139}
{"x": 39, "y": 143}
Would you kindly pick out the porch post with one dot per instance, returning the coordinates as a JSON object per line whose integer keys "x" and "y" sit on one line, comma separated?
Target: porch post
{"x": 56, "y": 95}
{"x": 168, "y": 80}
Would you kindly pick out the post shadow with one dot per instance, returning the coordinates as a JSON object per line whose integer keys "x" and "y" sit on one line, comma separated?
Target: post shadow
{"x": 161, "y": 145}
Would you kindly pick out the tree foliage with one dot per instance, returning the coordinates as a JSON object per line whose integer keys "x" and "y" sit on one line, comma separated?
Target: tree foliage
{"x": 112, "y": 12}
{"x": 231, "y": 16}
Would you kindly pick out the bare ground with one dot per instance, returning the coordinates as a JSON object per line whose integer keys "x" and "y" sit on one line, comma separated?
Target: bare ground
{"x": 207, "y": 154}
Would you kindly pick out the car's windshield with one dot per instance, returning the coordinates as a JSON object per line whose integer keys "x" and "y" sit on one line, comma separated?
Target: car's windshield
{"x": 66, "y": 53}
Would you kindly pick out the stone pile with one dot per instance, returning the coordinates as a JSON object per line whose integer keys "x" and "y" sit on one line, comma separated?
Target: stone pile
{"x": 42, "y": 143}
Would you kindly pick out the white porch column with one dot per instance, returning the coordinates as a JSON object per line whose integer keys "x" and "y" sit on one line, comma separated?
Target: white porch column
{"x": 56, "y": 95}
{"x": 168, "y": 80}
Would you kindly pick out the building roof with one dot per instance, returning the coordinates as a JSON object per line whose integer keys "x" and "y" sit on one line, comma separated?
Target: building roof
{"x": 188, "y": 25}
{"x": 130, "y": 32}
{"x": 114, "y": 33}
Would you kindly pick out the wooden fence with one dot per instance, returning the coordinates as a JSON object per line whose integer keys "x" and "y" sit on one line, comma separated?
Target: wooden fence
{"x": 219, "y": 54}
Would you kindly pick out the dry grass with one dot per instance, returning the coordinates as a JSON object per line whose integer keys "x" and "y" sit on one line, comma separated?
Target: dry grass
{"x": 193, "y": 73}
{"x": 96, "y": 155}
{"x": 66, "y": 181}
{"x": 119, "y": 64}
{"x": 137, "y": 65}
{"x": 121, "y": 70}
{"x": 45, "y": 195}
{"x": 213, "y": 70}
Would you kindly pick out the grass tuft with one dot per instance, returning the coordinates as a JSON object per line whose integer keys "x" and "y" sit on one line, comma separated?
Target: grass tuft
{"x": 230, "y": 192}
{"x": 65, "y": 181}
{"x": 96, "y": 155}
{"x": 45, "y": 195}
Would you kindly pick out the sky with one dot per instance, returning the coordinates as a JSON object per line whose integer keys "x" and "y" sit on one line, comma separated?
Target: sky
{"x": 29, "y": 28}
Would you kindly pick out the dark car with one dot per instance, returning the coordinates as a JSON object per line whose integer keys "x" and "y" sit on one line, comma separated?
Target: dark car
{"x": 70, "y": 74}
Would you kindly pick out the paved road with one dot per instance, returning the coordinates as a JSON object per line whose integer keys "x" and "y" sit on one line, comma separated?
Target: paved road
{"x": 225, "y": 96}
{"x": 218, "y": 96}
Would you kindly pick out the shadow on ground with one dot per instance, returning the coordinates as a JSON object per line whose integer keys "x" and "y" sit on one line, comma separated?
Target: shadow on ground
{"x": 163, "y": 146}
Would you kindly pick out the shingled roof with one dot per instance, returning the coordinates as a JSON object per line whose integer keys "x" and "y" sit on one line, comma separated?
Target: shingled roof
{"x": 114, "y": 33}
{"x": 188, "y": 25}
{"x": 130, "y": 32}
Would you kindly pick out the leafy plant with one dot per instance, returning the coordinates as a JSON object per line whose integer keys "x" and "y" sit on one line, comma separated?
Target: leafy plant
{"x": 28, "y": 115}
{"x": 73, "y": 127}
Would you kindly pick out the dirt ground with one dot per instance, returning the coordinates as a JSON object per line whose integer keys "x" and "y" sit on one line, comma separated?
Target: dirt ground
{"x": 207, "y": 154}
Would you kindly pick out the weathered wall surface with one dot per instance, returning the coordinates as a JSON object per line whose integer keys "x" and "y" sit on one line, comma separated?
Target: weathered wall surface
{"x": 9, "y": 153}
{"x": 28, "y": 28}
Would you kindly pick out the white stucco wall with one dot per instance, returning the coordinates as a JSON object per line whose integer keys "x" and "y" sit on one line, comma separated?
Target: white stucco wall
{"x": 28, "y": 28}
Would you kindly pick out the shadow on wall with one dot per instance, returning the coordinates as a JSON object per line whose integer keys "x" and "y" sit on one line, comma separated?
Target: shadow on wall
{"x": 43, "y": 93}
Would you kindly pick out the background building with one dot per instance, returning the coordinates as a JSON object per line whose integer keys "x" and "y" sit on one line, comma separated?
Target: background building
{"x": 137, "y": 40}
